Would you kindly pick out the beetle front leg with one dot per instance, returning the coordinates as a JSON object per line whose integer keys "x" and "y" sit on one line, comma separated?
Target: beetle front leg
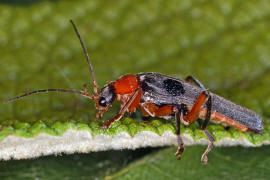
{"x": 122, "y": 111}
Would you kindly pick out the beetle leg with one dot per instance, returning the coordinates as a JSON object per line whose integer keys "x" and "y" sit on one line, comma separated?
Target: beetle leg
{"x": 204, "y": 98}
{"x": 149, "y": 109}
{"x": 122, "y": 111}
{"x": 195, "y": 110}
{"x": 204, "y": 157}
{"x": 190, "y": 79}
{"x": 178, "y": 116}
{"x": 135, "y": 103}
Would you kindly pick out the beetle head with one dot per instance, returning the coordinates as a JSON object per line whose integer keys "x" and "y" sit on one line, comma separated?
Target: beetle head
{"x": 104, "y": 99}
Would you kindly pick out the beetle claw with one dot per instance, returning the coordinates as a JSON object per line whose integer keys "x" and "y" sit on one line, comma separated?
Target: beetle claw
{"x": 204, "y": 159}
{"x": 179, "y": 152}
{"x": 105, "y": 126}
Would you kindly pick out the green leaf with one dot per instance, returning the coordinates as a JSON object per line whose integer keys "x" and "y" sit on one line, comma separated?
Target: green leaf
{"x": 94, "y": 165}
{"x": 224, "y": 163}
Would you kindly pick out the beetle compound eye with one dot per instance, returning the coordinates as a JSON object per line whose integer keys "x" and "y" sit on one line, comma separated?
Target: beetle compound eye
{"x": 102, "y": 102}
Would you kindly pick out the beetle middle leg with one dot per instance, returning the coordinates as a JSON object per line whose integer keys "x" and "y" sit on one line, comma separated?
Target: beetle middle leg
{"x": 151, "y": 109}
{"x": 179, "y": 112}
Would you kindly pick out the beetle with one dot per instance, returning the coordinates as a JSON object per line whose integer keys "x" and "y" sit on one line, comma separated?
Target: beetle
{"x": 159, "y": 95}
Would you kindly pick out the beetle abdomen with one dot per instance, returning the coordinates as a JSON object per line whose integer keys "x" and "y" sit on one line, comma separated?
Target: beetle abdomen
{"x": 238, "y": 113}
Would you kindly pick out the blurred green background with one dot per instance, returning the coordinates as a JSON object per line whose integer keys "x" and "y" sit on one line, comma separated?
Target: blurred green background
{"x": 225, "y": 44}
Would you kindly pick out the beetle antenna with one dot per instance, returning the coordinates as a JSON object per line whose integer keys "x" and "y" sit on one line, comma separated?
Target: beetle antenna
{"x": 87, "y": 57}
{"x": 90, "y": 96}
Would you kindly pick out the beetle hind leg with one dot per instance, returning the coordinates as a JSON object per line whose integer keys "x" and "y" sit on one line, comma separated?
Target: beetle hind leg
{"x": 203, "y": 99}
{"x": 210, "y": 138}
{"x": 190, "y": 79}
{"x": 204, "y": 157}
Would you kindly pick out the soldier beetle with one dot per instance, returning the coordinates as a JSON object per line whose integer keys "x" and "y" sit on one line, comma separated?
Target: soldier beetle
{"x": 158, "y": 95}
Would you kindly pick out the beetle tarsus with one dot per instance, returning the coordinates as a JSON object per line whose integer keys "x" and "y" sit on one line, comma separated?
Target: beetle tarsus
{"x": 179, "y": 153}
{"x": 204, "y": 157}
{"x": 105, "y": 127}
{"x": 179, "y": 117}
{"x": 108, "y": 123}
{"x": 180, "y": 148}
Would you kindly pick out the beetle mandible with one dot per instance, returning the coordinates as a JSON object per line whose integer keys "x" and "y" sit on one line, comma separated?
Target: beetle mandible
{"x": 158, "y": 95}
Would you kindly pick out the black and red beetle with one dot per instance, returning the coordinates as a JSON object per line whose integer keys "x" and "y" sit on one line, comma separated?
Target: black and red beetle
{"x": 159, "y": 95}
